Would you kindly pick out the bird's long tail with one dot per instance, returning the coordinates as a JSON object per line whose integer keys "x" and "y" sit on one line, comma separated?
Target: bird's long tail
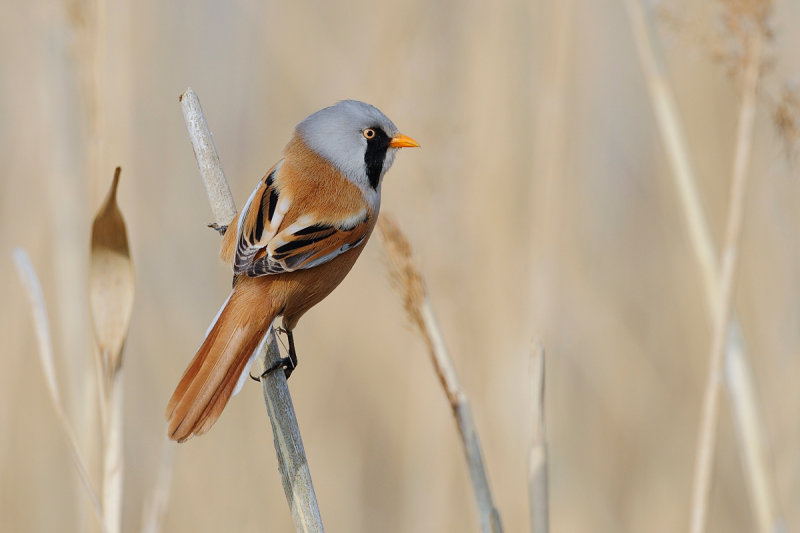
{"x": 217, "y": 371}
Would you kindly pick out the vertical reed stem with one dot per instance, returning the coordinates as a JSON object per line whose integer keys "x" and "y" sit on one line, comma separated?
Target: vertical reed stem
{"x": 292, "y": 461}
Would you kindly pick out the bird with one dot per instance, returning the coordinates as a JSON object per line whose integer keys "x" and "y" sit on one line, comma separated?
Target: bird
{"x": 296, "y": 238}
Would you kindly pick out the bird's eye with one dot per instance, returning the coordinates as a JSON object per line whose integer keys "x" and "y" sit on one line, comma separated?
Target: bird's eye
{"x": 369, "y": 133}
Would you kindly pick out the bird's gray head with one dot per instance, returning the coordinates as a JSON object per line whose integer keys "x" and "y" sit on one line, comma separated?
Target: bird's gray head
{"x": 357, "y": 139}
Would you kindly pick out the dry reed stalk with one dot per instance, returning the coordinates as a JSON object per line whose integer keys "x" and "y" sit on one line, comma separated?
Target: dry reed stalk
{"x": 739, "y": 378}
{"x": 548, "y": 168}
{"x": 217, "y": 189}
{"x": 291, "y": 455}
{"x": 668, "y": 120}
{"x": 708, "y": 424}
{"x": 30, "y": 282}
{"x": 408, "y": 280}
{"x": 537, "y": 461}
{"x": 65, "y": 194}
{"x": 89, "y": 20}
{"x": 113, "y": 456}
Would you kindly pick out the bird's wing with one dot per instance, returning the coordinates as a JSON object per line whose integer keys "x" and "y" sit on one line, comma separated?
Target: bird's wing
{"x": 258, "y": 221}
{"x": 306, "y": 245}
{"x": 273, "y": 236}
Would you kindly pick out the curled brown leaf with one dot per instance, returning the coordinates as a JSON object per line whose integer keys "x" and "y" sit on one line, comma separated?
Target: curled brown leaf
{"x": 111, "y": 281}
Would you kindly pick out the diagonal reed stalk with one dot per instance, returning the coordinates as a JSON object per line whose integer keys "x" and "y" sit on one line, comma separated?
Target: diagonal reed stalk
{"x": 408, "y": 280}
{"x": 30, "y": 282}
{"x": 738, "y": 376}
{"x": 733, "y": 231}
{"x": 292, "y": 462}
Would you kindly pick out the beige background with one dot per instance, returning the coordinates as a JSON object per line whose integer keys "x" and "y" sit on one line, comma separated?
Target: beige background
{"x": 619, "y": 304}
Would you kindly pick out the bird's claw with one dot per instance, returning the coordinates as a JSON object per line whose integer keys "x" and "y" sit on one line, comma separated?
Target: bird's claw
{"x": 288, "y": 364}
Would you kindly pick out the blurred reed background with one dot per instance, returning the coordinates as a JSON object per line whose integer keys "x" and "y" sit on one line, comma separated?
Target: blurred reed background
{"x": 595, "y": 262}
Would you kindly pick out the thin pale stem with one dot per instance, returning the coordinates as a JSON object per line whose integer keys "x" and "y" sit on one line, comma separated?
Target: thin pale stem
{"x": 668, "y": 119}
{"x": 30, "y": 282}
{"x": 537, "y": 462}
{"x": 489, "y": 515}
{"x": 708, "y": 425}
{"x": 739, "y": 378}
{"x": 408, "y": 280}
{"x": 113, "y": 454}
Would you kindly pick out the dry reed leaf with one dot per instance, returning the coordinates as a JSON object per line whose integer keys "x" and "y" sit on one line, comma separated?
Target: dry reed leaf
{"x": 111, "y": 289}
{"x": 111, "y": 281}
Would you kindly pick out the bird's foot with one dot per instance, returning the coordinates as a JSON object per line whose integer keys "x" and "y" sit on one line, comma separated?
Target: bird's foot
{"x": 219, "y": 229}
{"x": 288, "y": 363}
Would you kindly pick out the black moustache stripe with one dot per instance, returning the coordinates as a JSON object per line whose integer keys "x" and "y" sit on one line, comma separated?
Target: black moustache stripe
{"x": 376, "y": 155}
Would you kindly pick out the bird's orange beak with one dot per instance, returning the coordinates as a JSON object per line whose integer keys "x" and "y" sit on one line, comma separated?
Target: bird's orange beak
{"x": 403, "y": 141}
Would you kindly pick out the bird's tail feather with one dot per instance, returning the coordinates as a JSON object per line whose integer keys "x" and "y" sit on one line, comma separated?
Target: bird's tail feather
{"x": 246, "y": 372}
{"x": 216, "y": 371}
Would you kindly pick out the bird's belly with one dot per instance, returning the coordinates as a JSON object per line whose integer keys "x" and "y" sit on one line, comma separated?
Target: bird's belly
{"x": 303, "y": 289}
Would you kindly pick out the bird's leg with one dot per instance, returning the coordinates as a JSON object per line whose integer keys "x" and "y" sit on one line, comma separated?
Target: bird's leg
{"x": 219, "y": 229}
{"x": 292, "y": 355}
{"x": 288, "y": 364}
